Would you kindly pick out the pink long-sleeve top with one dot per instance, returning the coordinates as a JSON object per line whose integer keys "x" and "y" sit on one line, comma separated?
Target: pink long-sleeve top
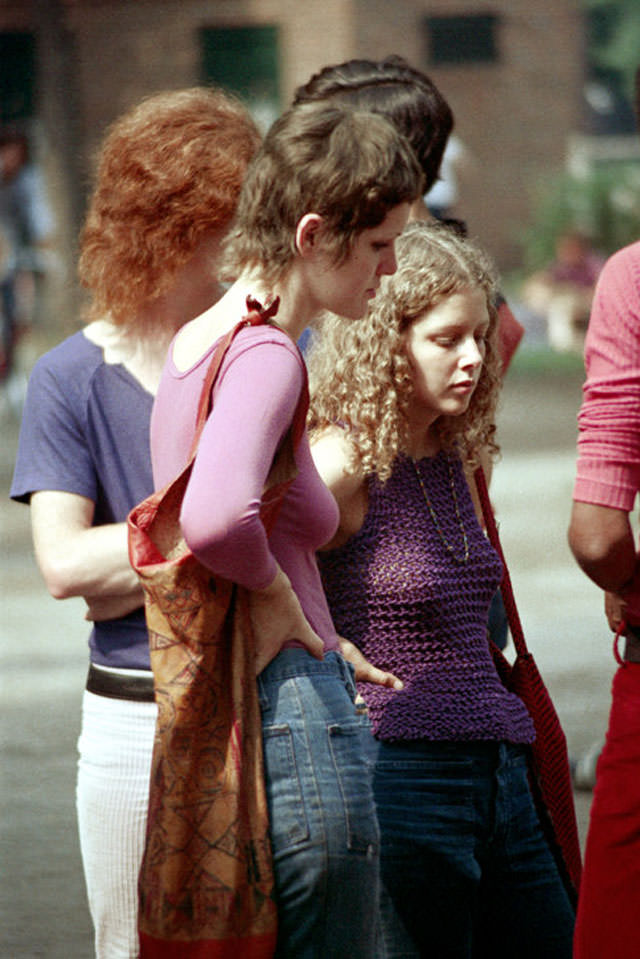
{"x": 608, "y": 468}
{"x": 253, "y": 402}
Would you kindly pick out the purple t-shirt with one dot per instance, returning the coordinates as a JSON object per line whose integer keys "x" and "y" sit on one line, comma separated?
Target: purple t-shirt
{"x": 85, "y": 430}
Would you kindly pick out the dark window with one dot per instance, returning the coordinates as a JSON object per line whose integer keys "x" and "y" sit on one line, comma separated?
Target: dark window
{"x": 609, "y": 80}
{"x": 468, "y": 38}
{"x": 245, "y": 61}
{"x": 17, "y": 76}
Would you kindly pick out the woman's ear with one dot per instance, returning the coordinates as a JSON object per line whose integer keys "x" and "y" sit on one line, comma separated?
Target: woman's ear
{"x": 308, "y": 233}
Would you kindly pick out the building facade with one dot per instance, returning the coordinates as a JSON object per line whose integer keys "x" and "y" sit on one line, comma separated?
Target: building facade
{"x": 512, "y": 71}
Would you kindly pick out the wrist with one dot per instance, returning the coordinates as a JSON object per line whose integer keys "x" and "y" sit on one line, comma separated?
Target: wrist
{"x": 628, "y": 587}
{"x": 278, "y": 584}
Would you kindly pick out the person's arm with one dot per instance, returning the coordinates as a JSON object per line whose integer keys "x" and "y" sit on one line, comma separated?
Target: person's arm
{"x": 601, "y": 540}
{"x": 608, "y": 467}
{"x": 276, "y": 618}
{"x": 220, "y": 514}
{"x": 366, "y": 672}
{"x": 510, "y": 333}
{"x": 37, "y": 213}
{"x": 55, "y": 474}
{"x": 334, "y": 459}
{"x": 253, "y": 406}
{"x": 78, "y": 559}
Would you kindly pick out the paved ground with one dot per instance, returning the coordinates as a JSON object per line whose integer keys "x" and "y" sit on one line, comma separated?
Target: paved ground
{"x": 43, "y": 910}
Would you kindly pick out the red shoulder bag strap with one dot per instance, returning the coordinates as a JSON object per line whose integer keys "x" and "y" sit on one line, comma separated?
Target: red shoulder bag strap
{"x": 256, "y": 315}
{"x": 515, "y": 625}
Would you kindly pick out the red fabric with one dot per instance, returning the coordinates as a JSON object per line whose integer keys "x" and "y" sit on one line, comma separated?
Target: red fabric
{"x": 256, "y": 948}
{"x": 510, "y": 332}
{"x": 549, "y": 770}
{"x": 608, "y": 922}
{"x": 608, "y": 467}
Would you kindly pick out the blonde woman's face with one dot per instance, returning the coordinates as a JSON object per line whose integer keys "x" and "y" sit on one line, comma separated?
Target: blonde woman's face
{"x": 446, "y": 347}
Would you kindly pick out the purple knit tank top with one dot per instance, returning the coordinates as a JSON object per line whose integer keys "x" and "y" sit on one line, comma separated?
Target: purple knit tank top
{"x": 400, "y": 589}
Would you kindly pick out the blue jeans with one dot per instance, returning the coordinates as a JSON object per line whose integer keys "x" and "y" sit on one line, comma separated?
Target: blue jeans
{"x": 466, "y": 869}
{"x": 323, "y": 825}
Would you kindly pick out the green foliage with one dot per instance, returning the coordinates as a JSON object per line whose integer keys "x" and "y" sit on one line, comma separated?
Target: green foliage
{"x": 614, "y": 43}
{"x": 604, "y": 204}
{"x": 540, "y": 359}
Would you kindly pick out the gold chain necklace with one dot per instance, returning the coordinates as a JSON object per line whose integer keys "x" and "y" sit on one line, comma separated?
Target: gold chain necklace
{"x": 450, "y": 549}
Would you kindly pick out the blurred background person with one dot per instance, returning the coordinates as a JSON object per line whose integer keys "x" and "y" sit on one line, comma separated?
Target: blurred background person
{"x": 443, "y": 197}
{"x": 27, "y": 229}
{"x": 168, "y": 178}
{"x": 562, "y": 293}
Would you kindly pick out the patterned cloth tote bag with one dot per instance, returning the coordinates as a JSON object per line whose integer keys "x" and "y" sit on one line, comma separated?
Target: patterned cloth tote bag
{"x": 206, "y": 881}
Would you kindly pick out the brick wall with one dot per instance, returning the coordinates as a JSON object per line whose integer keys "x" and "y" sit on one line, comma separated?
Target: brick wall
{"x": 515, "y": 115}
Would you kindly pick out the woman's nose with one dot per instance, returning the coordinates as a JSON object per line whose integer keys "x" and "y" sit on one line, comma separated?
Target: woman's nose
{"x": 471, "y": 353}
{"x": 388, "y": 264}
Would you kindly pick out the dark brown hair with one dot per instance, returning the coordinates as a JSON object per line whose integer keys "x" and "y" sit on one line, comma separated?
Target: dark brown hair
{"x": 398, "y": 91}
{"x": 349, "y": 167}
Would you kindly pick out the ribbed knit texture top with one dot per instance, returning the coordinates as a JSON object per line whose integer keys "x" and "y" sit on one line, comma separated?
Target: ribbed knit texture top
{"x": 398, "y": 593}
{"x": 608, "y": 470}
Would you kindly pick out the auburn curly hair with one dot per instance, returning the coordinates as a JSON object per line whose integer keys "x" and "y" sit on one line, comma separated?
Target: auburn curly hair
{"x": 169, "y": 173}
{"x": 359, "y": 370}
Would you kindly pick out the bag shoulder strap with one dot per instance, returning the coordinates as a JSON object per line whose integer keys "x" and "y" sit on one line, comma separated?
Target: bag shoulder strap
{"x": 515, "y": 625}
{"x": 256, "y": 315}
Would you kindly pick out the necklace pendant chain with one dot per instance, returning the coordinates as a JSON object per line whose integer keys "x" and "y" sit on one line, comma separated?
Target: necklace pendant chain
{"x": 459, "y": 558}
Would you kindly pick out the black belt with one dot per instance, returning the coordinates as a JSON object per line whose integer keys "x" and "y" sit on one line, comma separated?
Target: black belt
{"x": 117, "y": 685}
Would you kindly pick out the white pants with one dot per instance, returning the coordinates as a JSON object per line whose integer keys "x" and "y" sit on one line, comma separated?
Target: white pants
{"x": 115, "y": 748}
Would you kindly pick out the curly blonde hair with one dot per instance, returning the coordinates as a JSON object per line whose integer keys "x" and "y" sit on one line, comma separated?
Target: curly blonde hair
{"x": 359, "y": 370}
{"x": 169, "y": 173}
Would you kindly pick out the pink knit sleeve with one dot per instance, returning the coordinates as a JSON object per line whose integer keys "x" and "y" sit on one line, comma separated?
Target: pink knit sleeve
{"x": 608, "y": 469}
{"x": 254, "y": 402}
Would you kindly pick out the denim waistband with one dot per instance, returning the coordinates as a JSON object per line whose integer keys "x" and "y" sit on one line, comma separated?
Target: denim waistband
{"x": 298, "y": 662}
{"x": 485, "y": 752}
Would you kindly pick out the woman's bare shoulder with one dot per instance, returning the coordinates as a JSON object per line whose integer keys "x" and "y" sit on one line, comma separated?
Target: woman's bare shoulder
{"x": 336, "y": 460}
{"x": 335, "y": 457}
